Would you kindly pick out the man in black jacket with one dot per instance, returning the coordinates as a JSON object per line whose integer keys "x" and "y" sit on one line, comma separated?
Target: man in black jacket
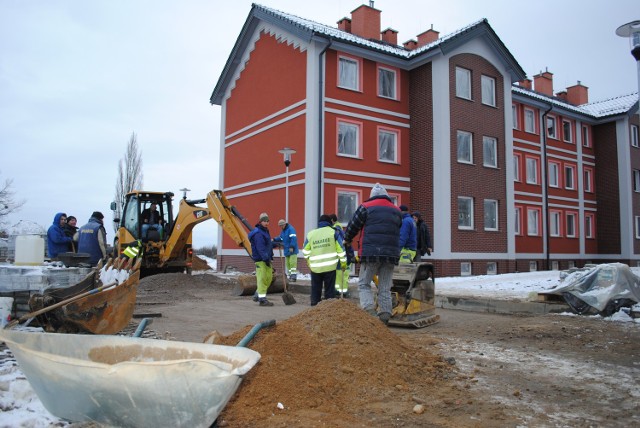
{"x": 377, "y": 222}
{"x": 424, "y": 237}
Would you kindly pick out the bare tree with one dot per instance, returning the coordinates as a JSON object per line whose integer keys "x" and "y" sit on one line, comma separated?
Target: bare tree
{"x": 129, "y": 174}
{"x": 7, "y": 202}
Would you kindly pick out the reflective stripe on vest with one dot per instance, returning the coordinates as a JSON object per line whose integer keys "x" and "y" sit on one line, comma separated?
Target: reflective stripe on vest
{"x": 320, "y": 252}
{"x": 131, "y": 252}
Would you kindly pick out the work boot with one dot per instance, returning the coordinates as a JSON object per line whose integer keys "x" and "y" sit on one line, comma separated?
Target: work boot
{"x": 346, "y": 294}
{"x": 372, "y": 312}
{"x": 265, "y": 302}
{"x": 293, "y": 277}
{"x": 255, "y": 296}
{"x": 384, "y": 317}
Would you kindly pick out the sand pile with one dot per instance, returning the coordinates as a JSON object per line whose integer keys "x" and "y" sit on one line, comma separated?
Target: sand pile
{"x": 335, "y": 365}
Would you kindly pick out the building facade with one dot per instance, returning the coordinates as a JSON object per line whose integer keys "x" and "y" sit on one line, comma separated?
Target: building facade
{"x": 508, "y": 175}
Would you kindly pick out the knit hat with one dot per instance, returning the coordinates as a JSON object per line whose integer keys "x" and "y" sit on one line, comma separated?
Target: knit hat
{"x": 417, "y": 214}
{"x": 281, "y": 222}
{"x": 98, "y": 215}
{"x": 378, "y": 190}
{"x": 264, "y": 217}
{"x": 404, "y": 208}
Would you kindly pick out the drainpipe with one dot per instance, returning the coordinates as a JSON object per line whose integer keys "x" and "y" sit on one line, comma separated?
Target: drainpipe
{"x": 545, "y": 193}
{"x": 321, "y": 125}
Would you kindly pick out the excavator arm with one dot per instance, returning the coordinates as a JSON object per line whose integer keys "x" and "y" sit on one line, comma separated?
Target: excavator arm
{"x": 189, "y": 215}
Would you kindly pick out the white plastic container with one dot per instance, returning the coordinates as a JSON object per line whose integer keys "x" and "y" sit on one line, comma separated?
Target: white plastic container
{"x": 29, "y": 250}
{"x": 6, "y": 303}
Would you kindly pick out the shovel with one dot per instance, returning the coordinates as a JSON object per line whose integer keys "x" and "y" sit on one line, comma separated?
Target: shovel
{"x": 287, "y": 297}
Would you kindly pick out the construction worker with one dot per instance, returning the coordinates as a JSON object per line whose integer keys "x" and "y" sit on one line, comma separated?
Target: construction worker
{"x": 92, "y": 238}
{"x": 262, "y": 255}
{"x": 323, "y": 252}
{"x": 408, "y": 236}
{"x": 342, "y": 276}
{"x": 289, "y": 240}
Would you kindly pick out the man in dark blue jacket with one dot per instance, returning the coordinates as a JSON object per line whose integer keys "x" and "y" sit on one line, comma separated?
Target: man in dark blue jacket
{"x": 57, "y": 241}
{"x": 377, "y": 222}
{"x": 92, "y": 239}
{"x": 408, "y": 236}
{"x": 262, "y": 254}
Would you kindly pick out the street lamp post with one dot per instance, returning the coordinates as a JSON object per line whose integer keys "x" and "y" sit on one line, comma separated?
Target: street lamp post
{"x": 631, "y": 31}
{"x": 286, "y": 152}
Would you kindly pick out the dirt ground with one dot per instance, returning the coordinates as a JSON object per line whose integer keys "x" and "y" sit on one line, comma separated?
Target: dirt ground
{"x": 333, "y": 365}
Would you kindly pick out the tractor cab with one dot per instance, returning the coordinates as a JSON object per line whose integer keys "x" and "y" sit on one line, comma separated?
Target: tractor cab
{"x": 146, "y": 216}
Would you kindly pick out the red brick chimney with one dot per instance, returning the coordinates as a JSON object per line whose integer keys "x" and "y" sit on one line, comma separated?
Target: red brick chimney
{"x": 562, "y": 95}
{"x": 365, "y": 22}
{"x": 427, "y": 37}
{"x": 578, "y": 94}
{"x": 410, "y": 44}
{"x": 344, "y": 24}
{"x": 543, "y": 83}
{"x": 390, "y": 36}
{"x": 525, "y": 83}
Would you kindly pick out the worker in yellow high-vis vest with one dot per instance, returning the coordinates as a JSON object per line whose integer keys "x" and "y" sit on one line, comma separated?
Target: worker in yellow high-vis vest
{"x": 323, "y": 252}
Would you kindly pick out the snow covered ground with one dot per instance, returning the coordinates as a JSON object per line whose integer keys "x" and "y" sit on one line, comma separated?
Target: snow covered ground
{"x": 22, "y": 408}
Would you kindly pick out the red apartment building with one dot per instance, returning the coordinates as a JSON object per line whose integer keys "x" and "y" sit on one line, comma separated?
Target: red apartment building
{"x": 508, "y": 176}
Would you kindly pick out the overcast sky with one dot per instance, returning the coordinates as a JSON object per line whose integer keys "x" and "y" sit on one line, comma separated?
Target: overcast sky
{"x": 77, "y": 78}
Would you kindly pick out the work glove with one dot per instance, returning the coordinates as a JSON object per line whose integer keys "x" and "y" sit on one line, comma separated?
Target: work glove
{"x": 428, "y": 251}
{"x": 350, "y": 254}
{"x": 343, "y": 266}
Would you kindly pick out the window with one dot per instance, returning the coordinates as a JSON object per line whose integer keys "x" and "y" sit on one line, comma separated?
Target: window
{"x": 387, "y": 146}
{"x": 488, "y": 85}
{"x": 554, "y": 172}
{"x": 569, "y": 177}
{"x": 348, "y": 73}
{"x": 465, "y": 268}
{"x": 463, "y": 83}
{"x": 552, "y": 131}
{"x": 588, "y": 226}
{"x": 529, "y": 121}
{"x": 533, "y": 219}
{"x": 637, "y": 223}
{"x": 490, "y": 214}
{"x": 514, "y": 117}
{"x": 465, "y": 150}
{"x": 517, "y": 229}
{"x": 634, "y": 136}
{"x": 532, "y": 170}
{"x": 636, "y": 180}
{"x": 516, "y": 168}
{"x": 348, "y": 139}
{"x": 588, "y": 180}
{"x": 533, "y": 266}
{"x": 571, "y": 225}
{"x": 554, "y": 223}
{"x": 566, "y": 131}
{"x": 492, "y": 268}
{"x": 387, "y": 83}
{"x": 465, "y": 212}
{"x": 585, "y": 136}
{"x": 348, "y": 201}
{"x": 490, "y": 152}
{"x": 555, "y": 265}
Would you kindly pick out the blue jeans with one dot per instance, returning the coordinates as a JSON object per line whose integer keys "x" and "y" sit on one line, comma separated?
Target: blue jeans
{"x": 385, "y": 281}
{"x": 147, "y": 226}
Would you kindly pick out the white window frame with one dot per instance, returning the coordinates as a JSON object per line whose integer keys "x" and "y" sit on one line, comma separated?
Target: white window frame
{"x": 517, "y": 223}
{"x": 465, "y": 224}
{"x": 460, "y": 143}
{"x": 463, "y": 83}
{"x": 344, "y": 66}
{"x": 465, "y": 269}
{"x": 569, "y": 177}
{"x": 516, "y": 167}
{"x": 394, "y": 145}
{"x": 637, "y": 226}
{"x": 586, "y": 142}
{"x": 588, "y": 226}
{"x": 393, "y": 86}
{"x": 567, "y": 131}
{"x": 529, "y": 121}
{"x": 492, "y": 268}
{"x": 346, "y": 213}
{"x": 588, "y": 180}
{"x": 634, "y": 136}
{"x": 532, "y": 170}
{"x": 515, "y": 120}
{"x": 554, "y": 174}
{"x": 636, "y": 180}
{"x": 552, "y": 127}
{"x": 358, "y": 138}
{"x": 533, "y": 227}
{"x": 533, "y": 266}
{"x": 571, "y": 224}
{"x": 490, "y": 214}
{"x": 555, "y": 217}
{"x": 490, "y": 149}
{"x": 488, "y": 89}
